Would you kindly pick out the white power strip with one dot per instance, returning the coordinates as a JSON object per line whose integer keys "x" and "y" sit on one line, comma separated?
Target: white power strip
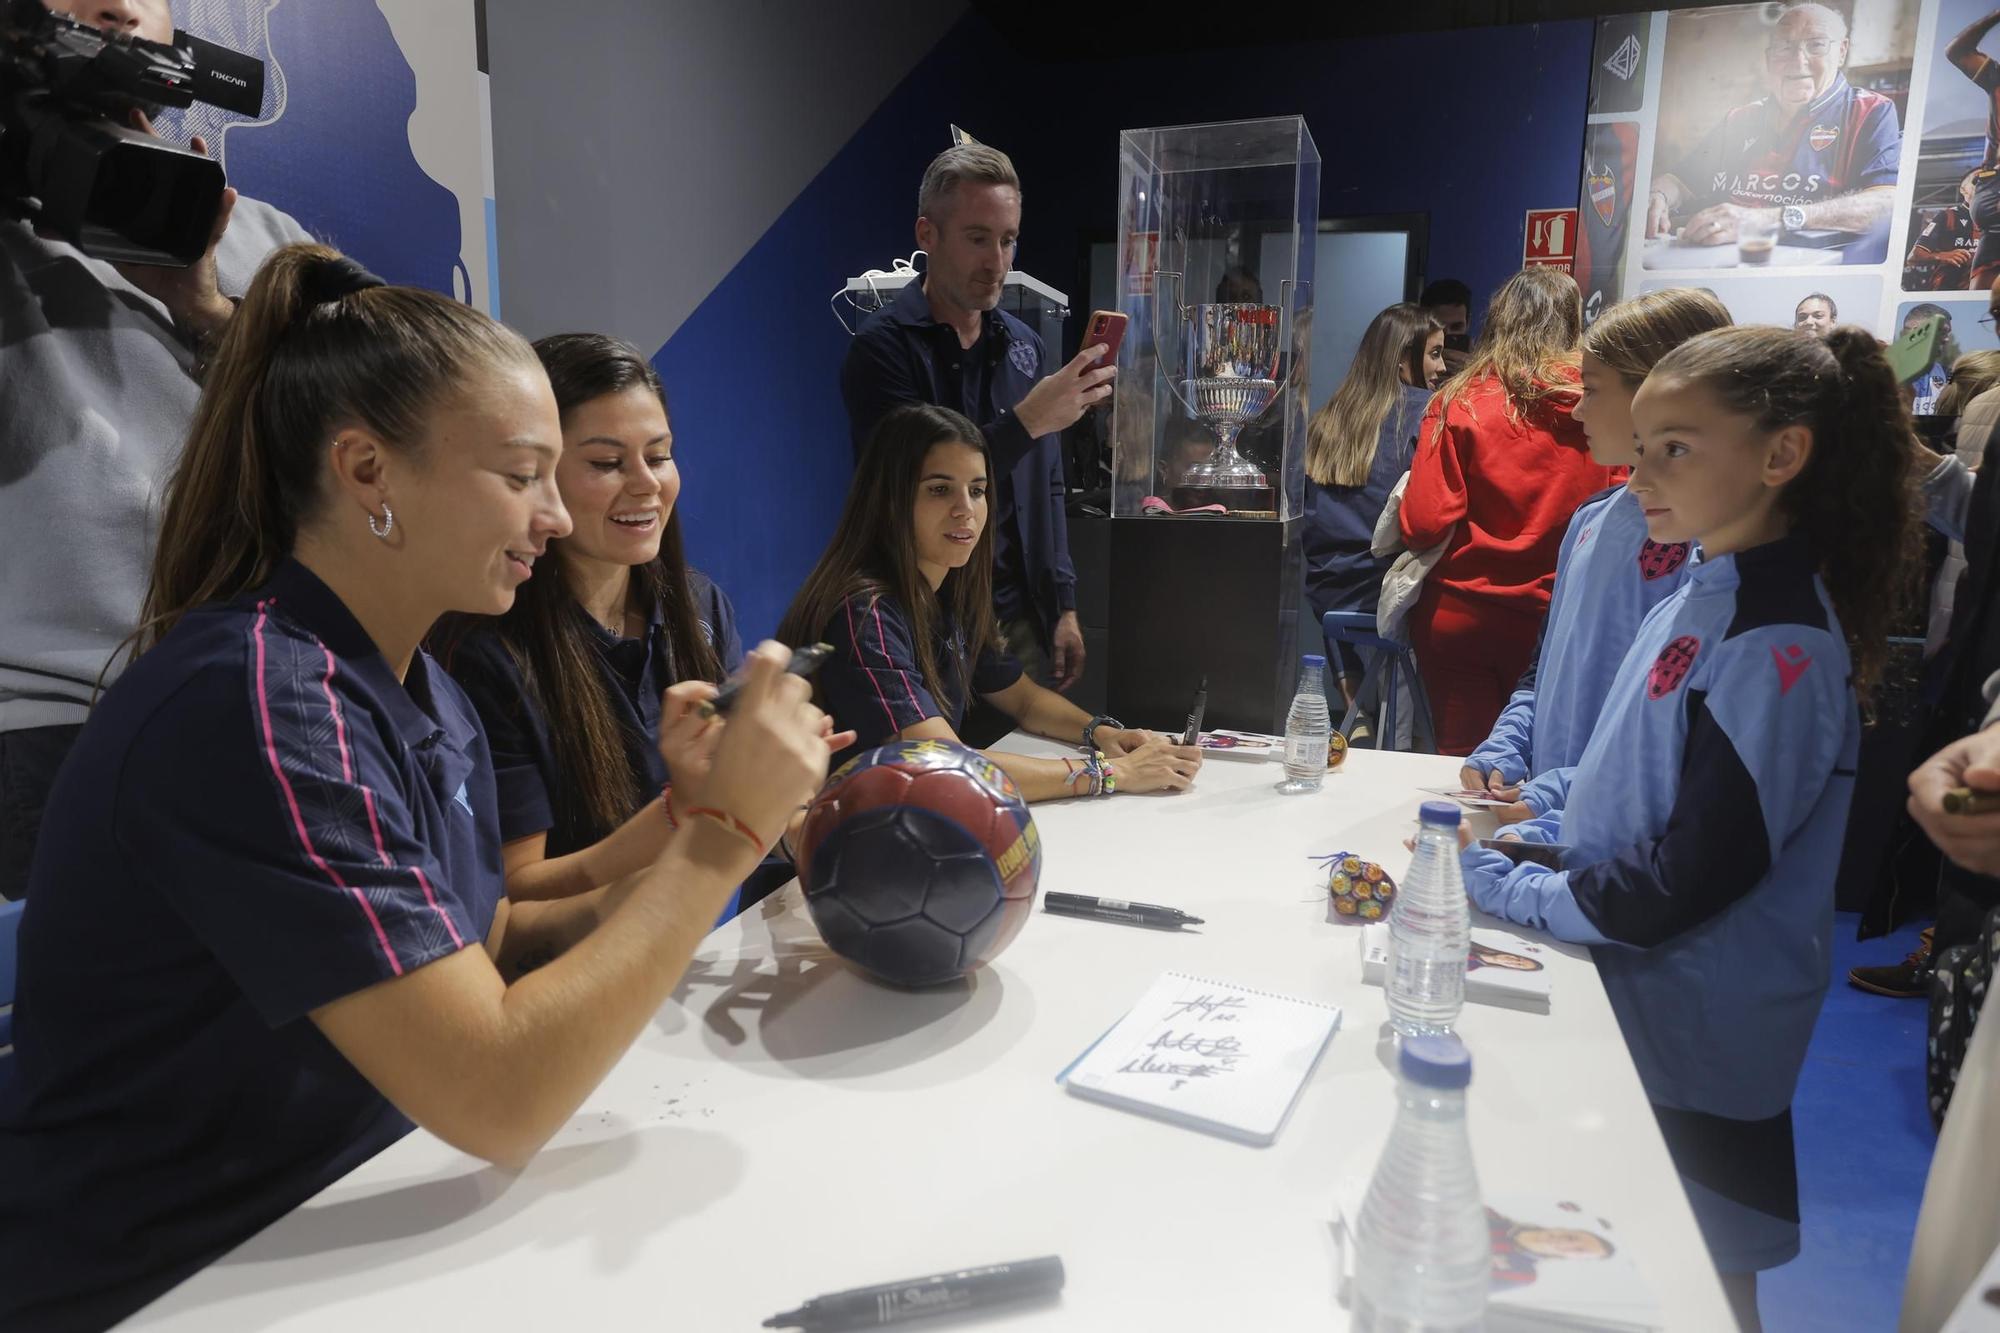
{"x": 874, "y": 289}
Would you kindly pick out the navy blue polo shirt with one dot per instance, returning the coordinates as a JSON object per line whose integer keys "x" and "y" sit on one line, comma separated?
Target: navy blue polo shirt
{"x": 635, "y": 672}
{"x": 258, "y": 820}
{"x": 873, "y": 685}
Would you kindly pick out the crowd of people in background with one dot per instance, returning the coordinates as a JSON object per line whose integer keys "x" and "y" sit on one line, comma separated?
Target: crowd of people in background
{"x": 402, "y": 805}
{"x": 1589, "y": 564}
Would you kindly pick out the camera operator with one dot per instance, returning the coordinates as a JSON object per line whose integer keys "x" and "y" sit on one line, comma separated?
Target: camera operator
{"x": 98, "y": 381}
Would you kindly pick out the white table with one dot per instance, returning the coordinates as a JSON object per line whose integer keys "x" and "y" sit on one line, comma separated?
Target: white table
{"x": 1664, "y": 252}
{"x": 788, "y": 1129}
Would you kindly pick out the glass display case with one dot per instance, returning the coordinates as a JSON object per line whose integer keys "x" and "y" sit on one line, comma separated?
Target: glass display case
{"x": 1215, "y": 239}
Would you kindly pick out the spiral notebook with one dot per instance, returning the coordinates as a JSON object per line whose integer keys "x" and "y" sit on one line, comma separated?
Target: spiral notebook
{"x": 1209, "y": 1055}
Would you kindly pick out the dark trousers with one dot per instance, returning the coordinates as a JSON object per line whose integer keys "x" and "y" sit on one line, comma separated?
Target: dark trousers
{"x": 1964, "y": 899}
{"x": 29, "y": 759}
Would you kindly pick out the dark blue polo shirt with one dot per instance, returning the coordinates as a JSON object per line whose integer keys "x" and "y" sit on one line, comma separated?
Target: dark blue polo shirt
{"x": 635, "y": 672}
{"x": 258, "y": 820}
{"x": 901, "y": 355}
{"x": 873, "y": 685}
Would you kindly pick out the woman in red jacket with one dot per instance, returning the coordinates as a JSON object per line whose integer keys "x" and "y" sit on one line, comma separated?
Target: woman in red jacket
{"x": 1500, "y": 468}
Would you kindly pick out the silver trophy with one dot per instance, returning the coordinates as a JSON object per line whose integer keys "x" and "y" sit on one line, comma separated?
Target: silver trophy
{"x": 1227, "y": 376}
{"x": 1232, "y": 375}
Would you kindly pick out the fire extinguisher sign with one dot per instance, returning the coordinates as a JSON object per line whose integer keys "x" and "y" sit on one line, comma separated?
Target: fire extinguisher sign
{"x": 1549, "y": 238}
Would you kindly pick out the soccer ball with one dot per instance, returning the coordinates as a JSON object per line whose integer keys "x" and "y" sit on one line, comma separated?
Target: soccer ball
{"x": 919, "y": 861}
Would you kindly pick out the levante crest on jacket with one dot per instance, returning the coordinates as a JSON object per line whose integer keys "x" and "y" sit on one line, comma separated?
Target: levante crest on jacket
{"x": 1670, "y": 668}
{"x": 1657, "y": 560}
{"x": 1022, "y": 353}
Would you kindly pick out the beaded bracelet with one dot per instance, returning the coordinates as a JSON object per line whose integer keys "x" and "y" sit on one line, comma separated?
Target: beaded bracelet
{"x": 1103, "y": 781}
{"x": 667, "y": 804}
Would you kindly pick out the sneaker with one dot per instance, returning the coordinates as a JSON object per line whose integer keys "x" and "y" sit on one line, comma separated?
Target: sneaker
{"x": 1907, "y": 980}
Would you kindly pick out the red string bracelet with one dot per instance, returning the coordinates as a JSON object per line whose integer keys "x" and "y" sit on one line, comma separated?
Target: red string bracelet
{"x": 730, "y": 822}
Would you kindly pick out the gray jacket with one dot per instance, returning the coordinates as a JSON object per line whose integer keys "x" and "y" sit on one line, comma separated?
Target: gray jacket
{"x": 96, "y": 394}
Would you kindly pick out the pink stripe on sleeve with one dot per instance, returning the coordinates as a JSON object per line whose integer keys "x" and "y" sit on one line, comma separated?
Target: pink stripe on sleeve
{"x": 292, "y": 801}
{"x": 875, "y": 607}
{"x": 854, "y": 637}
{"x": 368, "y": 801}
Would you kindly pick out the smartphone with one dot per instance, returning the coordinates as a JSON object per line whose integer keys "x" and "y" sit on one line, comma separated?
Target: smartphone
{"x": 1548, "y": 854}
{"x": 1915, "y": 349}
{"x": 1107, "y": 327}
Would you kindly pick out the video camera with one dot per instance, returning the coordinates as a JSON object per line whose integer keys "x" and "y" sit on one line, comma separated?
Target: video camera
{"x": 69, "y": 162}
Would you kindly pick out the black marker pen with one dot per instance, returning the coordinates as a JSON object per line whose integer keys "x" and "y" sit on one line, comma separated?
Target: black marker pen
{"x": 804, "y": 662}
{"x": 1117, "y": 909}
{"x": 1195, "y": 714}
{"x": 920, "y": 1298}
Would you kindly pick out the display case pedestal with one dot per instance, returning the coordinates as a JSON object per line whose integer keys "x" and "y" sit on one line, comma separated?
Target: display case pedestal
{"x": 1212, "y": 597}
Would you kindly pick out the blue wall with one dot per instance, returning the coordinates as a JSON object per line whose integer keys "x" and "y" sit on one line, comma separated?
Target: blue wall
{"x": 1471, "y": 127}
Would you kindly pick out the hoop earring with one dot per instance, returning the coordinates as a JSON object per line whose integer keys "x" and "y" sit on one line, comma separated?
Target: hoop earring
{"x": 388, "y": 523}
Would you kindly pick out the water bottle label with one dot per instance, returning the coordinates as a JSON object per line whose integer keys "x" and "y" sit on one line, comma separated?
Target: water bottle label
{"x": 1305, "y": 752}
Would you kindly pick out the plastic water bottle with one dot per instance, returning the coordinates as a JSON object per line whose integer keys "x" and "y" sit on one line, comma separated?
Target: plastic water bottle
{"x": 1307, "y": 727}
{"x": 1423, "y": 1255}
{"x": 1430, "y": 930}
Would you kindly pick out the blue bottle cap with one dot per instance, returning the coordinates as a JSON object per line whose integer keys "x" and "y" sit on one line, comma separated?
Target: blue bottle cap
{"x": 1435, "y": 1062}
{"x": 1439, "y": 812}
{"x": 1312, "y": 660}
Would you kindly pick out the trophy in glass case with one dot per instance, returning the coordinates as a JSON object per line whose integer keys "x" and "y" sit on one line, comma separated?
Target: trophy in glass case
{"x": 1217, "y": 240}
{"x": 1217, "y": 227}
{"x": 1231, "y": 357}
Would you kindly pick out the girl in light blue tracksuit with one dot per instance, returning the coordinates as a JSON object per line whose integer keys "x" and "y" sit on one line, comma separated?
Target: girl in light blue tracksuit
{"x": 1610, "y": 571}
{"x": 1704, "y": 818}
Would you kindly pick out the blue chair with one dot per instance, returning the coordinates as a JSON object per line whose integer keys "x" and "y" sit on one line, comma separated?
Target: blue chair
{"x": 1391, "y": 663}
{"x": 10, "y": 924}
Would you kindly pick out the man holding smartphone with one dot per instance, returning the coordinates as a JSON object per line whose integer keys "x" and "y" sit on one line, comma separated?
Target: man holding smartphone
{"x": 944, "y": 341}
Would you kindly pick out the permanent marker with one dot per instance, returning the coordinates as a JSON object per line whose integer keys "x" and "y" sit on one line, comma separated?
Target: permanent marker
{"x": 1117, "y": 909}
{"x": 920, "y": 1298}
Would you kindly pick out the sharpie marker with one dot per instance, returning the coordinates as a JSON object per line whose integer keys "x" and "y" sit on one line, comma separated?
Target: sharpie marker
{"x": 1117, "y": 909}
{"x": 1196, "y": 713}
{"x": 804, "y": 662}
{"x": 920, "y": 1298}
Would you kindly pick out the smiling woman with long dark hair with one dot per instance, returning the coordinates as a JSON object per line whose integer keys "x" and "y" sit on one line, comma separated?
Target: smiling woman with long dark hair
{"x": 904, "y": 593}
{"x": 568, "y": 682}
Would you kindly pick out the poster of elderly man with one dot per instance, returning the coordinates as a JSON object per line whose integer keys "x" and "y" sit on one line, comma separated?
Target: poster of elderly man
{"x": 1779, "y": 135}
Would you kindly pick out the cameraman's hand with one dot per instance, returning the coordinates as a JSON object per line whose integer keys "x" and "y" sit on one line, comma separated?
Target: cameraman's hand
{"x": 190, "y": 294}
{"x": 1058, "y": 400}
